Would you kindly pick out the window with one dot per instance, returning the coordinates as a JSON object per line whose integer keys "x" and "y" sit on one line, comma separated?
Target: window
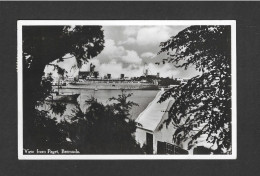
{"x": 149, "y": 143}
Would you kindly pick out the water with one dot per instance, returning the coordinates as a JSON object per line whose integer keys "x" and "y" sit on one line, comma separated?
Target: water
{"x": 141, "y": 97}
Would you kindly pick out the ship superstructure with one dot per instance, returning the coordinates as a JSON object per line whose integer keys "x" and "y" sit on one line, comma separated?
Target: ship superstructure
{"x": 91, "y": 80}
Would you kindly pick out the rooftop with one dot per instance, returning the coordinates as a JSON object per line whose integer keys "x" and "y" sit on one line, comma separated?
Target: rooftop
{"x": 154, "y": 114}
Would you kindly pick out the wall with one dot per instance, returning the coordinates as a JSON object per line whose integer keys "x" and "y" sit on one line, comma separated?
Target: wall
{"x": 163, "y": 135}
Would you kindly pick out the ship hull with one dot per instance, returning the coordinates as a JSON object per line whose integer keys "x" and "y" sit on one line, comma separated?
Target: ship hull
{"x": 63, "y": 98}
{"x": 118, "y": 86}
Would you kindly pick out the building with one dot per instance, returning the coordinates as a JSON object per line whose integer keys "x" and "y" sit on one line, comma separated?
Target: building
{"x": 152, "y": 132}
{"x": 158, "y": 138}
{"x": 83, "y": 74}
{"x": 172, "y": 86}
{"x": 182, "y": 80}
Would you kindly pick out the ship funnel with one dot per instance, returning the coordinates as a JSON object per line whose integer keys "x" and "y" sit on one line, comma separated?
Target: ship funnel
{"x": 92, "y": 67}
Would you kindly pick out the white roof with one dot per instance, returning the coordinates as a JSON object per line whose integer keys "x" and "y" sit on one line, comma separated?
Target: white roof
{"x": 152, "y": 116}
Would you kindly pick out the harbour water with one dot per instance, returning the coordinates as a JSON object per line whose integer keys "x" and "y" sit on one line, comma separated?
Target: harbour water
{"x": 141, "y": 97}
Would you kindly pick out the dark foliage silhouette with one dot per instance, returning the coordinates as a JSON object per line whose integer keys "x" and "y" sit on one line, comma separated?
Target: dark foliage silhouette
{"x": 41, "y": 46}
{"x": 206, "y": 99}
{"x": 105, "y": 129}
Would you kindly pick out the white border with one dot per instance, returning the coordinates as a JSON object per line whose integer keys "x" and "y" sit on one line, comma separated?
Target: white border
{"x": 21, "y": 23}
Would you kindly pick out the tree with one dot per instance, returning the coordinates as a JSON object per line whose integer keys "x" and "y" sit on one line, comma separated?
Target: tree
{"x": 44, "y": 44}
{"x": 105, "y": 129}
{"x": 206, "y": 98}
{"x": 41, "y": 46}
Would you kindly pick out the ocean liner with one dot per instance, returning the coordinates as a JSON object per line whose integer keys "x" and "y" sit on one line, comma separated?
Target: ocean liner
{"x": 91, "y": 80}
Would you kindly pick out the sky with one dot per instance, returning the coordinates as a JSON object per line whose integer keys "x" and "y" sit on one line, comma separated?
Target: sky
{"x": 128, "y": 49}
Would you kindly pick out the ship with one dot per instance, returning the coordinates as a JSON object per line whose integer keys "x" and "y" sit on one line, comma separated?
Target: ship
{"x": 112, "y": 84}
{"x": 63, "y": 97}
{"x": 91, "y": 80}
{"x": 56, "y": 95}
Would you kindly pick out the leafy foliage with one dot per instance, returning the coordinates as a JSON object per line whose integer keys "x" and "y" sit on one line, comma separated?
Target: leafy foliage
{"x": 42, "y": 45}
{"x": 122, "y": 106}
{"x": 105, "y": 129}
{"x": 206, "y": 99}
{"x": 58, "y": 107}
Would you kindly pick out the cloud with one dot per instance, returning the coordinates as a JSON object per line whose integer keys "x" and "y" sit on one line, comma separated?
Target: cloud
{"x": 146, "y": 35}
{"x": 115, "y": 68}
{"x": 149, "y": 35}
{"x": 111, "y": 50}
{"x": 165, "y": 70}
{"x": 131, "y": 30}
{"x": 131, "y": 57}
{"x": 129, "y": 41}
{"x": 119, "y": 53}
{"x": 153, "y": 35}
{"x": 148, "y": 55}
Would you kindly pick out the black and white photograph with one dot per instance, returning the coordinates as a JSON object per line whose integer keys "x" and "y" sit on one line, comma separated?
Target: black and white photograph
{"x": 127, "y": 89}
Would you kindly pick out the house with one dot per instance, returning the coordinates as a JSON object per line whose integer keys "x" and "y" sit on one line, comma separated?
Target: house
{"x": 182, "y": 80}
{"x": 152, "y": 132}
{"x": 158, "y": 138}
